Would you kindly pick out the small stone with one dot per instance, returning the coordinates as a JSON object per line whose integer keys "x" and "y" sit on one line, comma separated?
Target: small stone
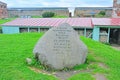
{"x": 28, "y": 61}
{"x": 75, "y": 71}
{"x": 54, "y": 73}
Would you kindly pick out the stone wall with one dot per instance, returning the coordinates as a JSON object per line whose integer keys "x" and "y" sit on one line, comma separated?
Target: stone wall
{"x": 16, "y": 12}
{"x": 103, "y": 36}
{"x": 22, "y": 30}
{"x": 79, "y": 11}
{"x": 81, "y": 32}
{"x": 78, "y": 30}
{"x": 91, "y": 11}
{"x": 44, "y": 29}
{"x": 33, "y": 30}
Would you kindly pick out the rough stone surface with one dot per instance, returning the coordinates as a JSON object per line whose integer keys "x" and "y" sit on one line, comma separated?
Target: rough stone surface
{"x": 60, "y": 47}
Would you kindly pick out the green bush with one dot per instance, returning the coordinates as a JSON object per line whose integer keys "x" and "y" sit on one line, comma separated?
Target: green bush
{"x": 48, "y": 14}
{"x": 102, "y": 13}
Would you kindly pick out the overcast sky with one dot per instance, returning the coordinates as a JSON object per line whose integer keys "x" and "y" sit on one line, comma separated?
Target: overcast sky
{"x": 59, "y": 3}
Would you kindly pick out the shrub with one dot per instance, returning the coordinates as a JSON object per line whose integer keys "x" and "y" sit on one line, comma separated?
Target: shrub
{"x": 48, "y": 14}
{"x": 102, "y": 13}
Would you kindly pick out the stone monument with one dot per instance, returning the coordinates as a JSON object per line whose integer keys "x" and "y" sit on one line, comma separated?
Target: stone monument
{"x": 60, "y": 47}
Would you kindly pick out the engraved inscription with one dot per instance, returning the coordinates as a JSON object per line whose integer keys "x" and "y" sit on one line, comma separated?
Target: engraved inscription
{"x": 61, "y": 43}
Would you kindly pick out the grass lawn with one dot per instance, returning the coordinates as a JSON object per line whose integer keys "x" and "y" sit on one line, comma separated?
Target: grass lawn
{"x": 2, "y": 21}
{"x": 15, "y": 48}
{"x": 56, "y": 16}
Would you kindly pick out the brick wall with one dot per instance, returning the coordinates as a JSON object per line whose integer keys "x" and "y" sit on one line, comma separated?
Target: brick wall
{"x": 3, "y": 10}
{"x": 116, "y": 8}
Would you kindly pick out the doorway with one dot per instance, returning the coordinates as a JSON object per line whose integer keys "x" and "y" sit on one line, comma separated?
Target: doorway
{"x": 114, "y": 36}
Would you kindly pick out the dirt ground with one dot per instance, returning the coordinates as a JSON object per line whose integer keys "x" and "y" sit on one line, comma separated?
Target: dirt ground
{"x": 64, "y": 75}
{"x": 116, "y": 46}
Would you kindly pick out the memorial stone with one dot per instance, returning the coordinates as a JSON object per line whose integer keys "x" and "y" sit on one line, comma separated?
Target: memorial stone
{"x": 60, "y": 47}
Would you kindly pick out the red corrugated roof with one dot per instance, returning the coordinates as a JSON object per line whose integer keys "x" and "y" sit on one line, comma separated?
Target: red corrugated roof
{"x": 75, "y": 22}
{"x": 53, "y": 22}
{"x": 100, "y": 21}
{"x": 106, "y": 21}
{"x": 115, "y": 21}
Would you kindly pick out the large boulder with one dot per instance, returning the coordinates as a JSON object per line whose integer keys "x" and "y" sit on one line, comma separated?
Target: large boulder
{"x": 60, "y": 47}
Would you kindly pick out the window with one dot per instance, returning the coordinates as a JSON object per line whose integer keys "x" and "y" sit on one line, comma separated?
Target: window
{"x": 4, "y": 6}
{"x": 1, "y": 6}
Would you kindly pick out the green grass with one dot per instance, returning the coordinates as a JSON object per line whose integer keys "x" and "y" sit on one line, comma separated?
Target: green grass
{"x": 100, "y": 53}
{"x": 2, "y": 21}
{"x": 37, "y": 17}
{"x": 56, "y": 16}
{"x": 15, "y": 48}
{"x": 82, "y": 76}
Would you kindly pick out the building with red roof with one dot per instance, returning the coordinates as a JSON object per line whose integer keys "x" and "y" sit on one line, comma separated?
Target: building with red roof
{"x": 99, "y": 29}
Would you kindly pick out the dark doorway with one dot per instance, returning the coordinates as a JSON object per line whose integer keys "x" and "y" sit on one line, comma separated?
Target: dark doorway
{"x": 70, "y": 14}
{"x": 115, "y": 36}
